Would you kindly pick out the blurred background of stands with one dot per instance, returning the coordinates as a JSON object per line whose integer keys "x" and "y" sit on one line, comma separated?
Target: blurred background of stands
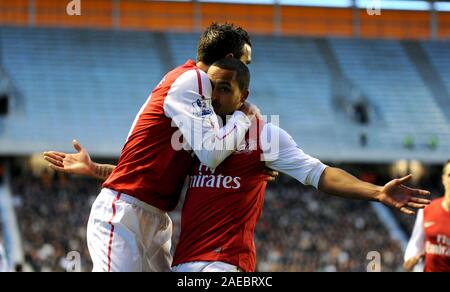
{"x": 354, "y": 18}
{"x": 63, "y": 81}
{"x": 370, "y": 92}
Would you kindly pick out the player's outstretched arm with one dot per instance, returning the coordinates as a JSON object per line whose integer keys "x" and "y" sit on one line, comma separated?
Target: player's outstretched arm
{"x": 394, "y": 194}
{"x": 78, "y": 163}
{"x": 288, "y": 158}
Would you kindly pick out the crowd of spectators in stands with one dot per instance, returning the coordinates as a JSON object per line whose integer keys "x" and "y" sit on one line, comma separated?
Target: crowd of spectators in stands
{"x": 53, "y": 211}
{"x": 301, "y": 229}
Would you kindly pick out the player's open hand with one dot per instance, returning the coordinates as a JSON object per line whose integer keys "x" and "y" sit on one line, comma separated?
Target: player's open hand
{"x": 396, "y": 195}
{"x": 77, "y": 163}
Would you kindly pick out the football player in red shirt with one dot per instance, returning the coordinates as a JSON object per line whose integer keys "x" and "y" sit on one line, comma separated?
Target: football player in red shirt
{"x": 431, "y": 234}
{"x": 223, "y": 204}
{"x": 129, "y": 228}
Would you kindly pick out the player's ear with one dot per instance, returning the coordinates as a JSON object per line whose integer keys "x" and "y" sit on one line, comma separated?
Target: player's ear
{"x": 244, "y": 95}
{"x": 230, "y": 55}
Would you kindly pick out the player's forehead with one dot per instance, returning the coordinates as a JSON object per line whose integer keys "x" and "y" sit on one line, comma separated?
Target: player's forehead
{"x": 220, "y": 75}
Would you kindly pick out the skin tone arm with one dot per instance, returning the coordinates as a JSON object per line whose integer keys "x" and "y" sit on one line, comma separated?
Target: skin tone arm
{"x": 80, "y": 163}
{"x": 394, "y": 194}
{"x": 103, "y": 171}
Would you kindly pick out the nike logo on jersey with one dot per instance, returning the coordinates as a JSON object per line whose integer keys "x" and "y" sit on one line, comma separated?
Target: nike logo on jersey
{"x": 429, "y": 224}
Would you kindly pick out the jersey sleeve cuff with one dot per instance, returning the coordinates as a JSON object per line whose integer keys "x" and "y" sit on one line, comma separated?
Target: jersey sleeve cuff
{"x": 315, "y": 178}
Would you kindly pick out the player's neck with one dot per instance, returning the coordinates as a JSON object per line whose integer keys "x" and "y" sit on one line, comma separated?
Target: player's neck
{"x": 202, "y": 66}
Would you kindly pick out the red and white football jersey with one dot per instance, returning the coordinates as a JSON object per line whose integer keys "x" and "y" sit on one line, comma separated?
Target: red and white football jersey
{"x": 431, "y": 236}
{"x": 152, "y": 167}
{"x": 222, "y": 205}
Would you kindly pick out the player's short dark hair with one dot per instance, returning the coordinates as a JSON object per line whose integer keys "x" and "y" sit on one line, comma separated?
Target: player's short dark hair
{"x": 219, "y": 40}
{"x": 243, "y": 73}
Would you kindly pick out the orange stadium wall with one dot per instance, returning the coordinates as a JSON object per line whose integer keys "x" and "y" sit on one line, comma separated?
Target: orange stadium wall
{"x": 190, "y": 17}
{"x": 444, "y": 25}
{"x": 396, "y": 24}
{"x": 154, "y": 15}
{"x": 14, "y": 12}
{"x": 318, "y": 21}
{"x": 255, "y": 18}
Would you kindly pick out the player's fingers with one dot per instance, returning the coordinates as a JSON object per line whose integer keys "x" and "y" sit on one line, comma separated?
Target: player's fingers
{"x": 271, "y": 172}
{"x": 421, "y": 192}
{"x": 268, "y": 178}
{"x": 54, "y": 161}
{"x": 77, "y": 145}
{"x": 55, "y": 154}
{"x": 404, "y": 179}
{"x": 406, "y": 211}
{"x": 420, "y": 201}
{"x": 415, "y": 205}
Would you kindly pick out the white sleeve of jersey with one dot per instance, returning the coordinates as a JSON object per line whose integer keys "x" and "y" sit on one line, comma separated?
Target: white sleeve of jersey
{"x": 281, "y": 153}
{"x": 416, "y": 245}
{"x": 190, "y": 108}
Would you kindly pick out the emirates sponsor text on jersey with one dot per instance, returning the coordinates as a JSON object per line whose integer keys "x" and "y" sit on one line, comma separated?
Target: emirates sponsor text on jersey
{"x": 207, "y": 178}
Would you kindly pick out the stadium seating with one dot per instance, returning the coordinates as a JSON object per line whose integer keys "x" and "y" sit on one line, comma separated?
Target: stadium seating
{"x": 76, "y": 85}
{"x": 383, "y": 71}
{"x": 439, "y": 54}
{"x": 89, "y": 85}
